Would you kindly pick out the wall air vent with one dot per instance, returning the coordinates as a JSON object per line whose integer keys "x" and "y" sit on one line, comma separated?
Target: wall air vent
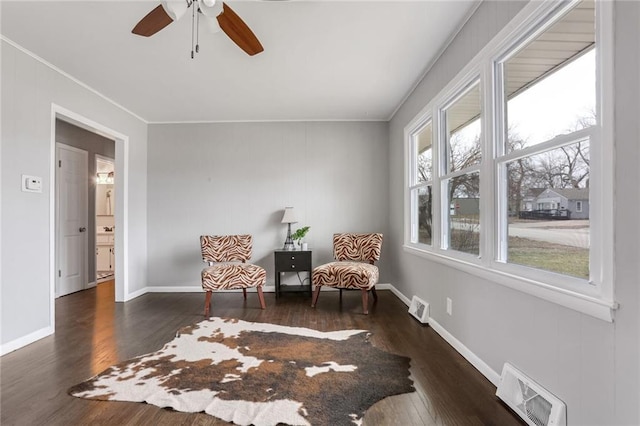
{"x": 419, "y": 309}
{"x": 536, "y": 405}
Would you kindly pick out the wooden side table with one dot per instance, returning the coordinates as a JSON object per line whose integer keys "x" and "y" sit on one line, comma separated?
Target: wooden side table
{"x": 292, "y": 261}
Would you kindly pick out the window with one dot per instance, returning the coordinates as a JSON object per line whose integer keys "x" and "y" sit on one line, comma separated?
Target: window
{"x": 461, "y": 179}
{"x": 518, "y": 193}
{"x": 421, "y": 183}
{"x": 548, "y": 87}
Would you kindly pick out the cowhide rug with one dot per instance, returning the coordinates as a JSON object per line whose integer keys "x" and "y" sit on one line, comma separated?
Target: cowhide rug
{"x": 260, "y": 374}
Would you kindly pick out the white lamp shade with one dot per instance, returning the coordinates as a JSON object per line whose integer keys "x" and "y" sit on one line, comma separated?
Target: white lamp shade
{"x": 175, "y": 8}
{"x": 289, "y": 216}
{"x": 210, "y": 8}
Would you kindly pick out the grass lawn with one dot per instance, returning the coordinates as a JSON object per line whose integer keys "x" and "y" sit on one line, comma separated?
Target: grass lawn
{"x": 552, "y": 257}
{"x": 559, "y": 258}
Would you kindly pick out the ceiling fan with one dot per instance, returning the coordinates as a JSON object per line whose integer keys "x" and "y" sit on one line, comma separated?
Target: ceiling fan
{"x": 215, "y": 16}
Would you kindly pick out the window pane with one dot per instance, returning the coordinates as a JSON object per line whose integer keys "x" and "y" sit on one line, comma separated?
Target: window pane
{"x": 463, "y": 131}
{"x": 425, "y": 160}
{"x": 550, "y": 84}
{"x": 549, "y": 210}
{"x": 425, "y": 201}
{"x": 464, "y": 213}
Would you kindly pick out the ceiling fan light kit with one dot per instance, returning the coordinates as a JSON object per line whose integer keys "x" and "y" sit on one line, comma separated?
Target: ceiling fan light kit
{"x": 216, "y": 15}
{"x": 210, "y": 8}
{"x": 175, "y": 9}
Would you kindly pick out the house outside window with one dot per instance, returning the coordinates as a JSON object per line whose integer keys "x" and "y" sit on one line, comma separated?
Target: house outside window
{"x": 508, "y": 187}
{"x": 548, "y": 90}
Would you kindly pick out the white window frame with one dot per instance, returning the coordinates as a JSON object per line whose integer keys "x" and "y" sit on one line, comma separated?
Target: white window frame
{"x": 595, "y": 297}
{"x": 414, "y": 183}
{"x": 578, "y": 206}
{"x": 444, "y": 175}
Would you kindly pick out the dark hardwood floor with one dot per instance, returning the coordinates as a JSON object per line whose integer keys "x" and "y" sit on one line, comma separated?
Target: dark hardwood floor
{"x": 93, "y": 332}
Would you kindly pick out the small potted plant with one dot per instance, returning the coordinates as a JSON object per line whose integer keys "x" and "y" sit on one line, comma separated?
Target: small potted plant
{"x": 299, "y": 235}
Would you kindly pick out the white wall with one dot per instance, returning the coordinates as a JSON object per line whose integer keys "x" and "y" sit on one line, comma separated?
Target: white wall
{"x": 237, "y": 178}
{"x": 29, "y": 87}
{"x": 590, "y": 364}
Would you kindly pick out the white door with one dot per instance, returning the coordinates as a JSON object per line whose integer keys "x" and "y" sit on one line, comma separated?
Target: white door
{"x": 72, "y": 218}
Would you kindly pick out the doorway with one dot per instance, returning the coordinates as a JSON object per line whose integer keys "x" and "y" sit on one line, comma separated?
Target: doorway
{"x": 94, "y": 192}
{"x": 121, "y": 164}
{"x": 105, "y": 219}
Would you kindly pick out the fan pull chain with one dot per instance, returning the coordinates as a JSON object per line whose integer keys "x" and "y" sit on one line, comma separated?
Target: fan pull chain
{"x": 197, "y": 32}
{"x": 193, "y": 20}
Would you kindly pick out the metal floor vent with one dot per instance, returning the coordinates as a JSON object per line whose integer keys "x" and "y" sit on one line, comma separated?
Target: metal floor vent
{"x": 536, "y": 405}
{"x": 419, "y": 309}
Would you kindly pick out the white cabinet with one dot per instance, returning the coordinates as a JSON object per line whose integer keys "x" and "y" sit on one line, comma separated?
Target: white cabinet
{"x": 104, "y": 240}
{"x": 104, "y": 258}
{"x": 105, "y": 253}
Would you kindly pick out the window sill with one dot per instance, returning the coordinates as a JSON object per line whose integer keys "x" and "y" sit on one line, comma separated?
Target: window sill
{"x": 590, "y": 305}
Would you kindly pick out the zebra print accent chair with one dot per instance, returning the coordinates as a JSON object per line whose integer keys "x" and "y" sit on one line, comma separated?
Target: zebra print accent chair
{"x": 227, "y": 256}
{"x": 354, "y": 268}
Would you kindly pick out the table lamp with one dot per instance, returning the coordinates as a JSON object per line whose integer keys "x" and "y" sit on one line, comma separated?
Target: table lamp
{"x": 289, "y": 217}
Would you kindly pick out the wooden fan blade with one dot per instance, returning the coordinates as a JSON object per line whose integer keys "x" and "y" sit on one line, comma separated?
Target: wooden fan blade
{"x": 155, "y": 20}
{"x": 238, "y": 31}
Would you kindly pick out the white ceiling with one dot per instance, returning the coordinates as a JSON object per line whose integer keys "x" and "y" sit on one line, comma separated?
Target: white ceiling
{"x": 323, "y": 60}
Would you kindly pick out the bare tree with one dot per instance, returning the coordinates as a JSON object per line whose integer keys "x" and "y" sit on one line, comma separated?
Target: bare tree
{"x": 565, "y": 167}
{"x": 425, "y": 215}
{"x": 575, "y": 173}
{"x": 463, "y": 154}
{"x": 575, "y": 170}
{"x": 519, "y": 173}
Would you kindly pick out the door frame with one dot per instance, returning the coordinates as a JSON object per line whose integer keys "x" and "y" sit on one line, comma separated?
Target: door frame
{"x": 121, "y": 201}
{"x": 85, "y": 260}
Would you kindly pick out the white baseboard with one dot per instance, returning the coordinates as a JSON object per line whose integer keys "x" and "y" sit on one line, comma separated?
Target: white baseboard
{"x": 198, "y": 289}
{"x": 396, "y": 292}
{"x": 25, "y": 340}
{"x": 91, "y": 284}
{"x": 136, "y": 293}
{"x": 266, "y": 289}
{"x": 479, "y": 364}
{"x": 174, "y": 289}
